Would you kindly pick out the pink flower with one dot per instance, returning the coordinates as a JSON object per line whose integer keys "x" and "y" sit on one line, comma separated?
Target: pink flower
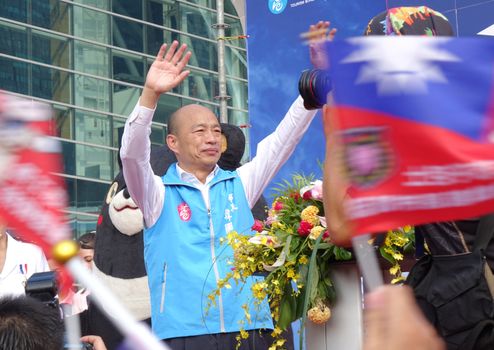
{"x": 277, "y": 206}
{"x": 316, "y": 191}
{"x": 258, "y": 226}
{"x": 304, "y": 228}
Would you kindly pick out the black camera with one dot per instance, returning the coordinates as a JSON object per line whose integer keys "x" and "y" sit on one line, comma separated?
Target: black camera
{"x": 314, "y": 86}
{"x": 43, "y": 286}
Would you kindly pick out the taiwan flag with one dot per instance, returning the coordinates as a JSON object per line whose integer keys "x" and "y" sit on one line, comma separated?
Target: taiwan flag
{"x": 414, "y": 120}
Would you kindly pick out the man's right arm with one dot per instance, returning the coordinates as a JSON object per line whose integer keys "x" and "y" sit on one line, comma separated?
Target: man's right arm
{"x": 166, "y": 72}
{"x": 144, "y": 187}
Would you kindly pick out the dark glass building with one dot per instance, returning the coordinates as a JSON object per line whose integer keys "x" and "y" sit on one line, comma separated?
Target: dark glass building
{"x": 88, "y": 59}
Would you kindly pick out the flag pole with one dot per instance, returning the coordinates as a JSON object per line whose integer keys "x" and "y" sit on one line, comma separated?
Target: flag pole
{"x": 367, "y": 261}
{"x": 137, "y": 334}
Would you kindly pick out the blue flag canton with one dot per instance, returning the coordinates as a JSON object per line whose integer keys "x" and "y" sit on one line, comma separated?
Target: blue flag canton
{"x": 445, "y": 82}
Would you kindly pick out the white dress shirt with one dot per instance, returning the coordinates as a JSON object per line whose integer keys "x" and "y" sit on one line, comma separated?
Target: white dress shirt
{"x": 22, "y": 260}
{"x": 147, "y": 189}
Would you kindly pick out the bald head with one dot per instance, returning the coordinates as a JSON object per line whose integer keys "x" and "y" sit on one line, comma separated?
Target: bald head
{"x": 186, "y": 113}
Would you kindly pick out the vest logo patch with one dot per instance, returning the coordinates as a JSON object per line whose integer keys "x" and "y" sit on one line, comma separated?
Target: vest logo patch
{"x": 184, "y": 211}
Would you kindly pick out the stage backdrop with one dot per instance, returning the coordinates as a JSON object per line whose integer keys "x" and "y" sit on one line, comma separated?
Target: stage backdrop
{"x": 276, "y": 58}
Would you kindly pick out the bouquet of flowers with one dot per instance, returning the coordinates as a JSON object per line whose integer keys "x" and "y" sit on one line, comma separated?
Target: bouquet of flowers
{"x": 291, "y": 248}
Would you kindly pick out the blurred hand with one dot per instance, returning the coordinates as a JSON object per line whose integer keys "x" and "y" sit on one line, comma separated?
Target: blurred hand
{"x": 319, "y": 34}
{"x": 394, "y": 321}
{"x": 95, "y": 341}
{"x": 166, "y": 72}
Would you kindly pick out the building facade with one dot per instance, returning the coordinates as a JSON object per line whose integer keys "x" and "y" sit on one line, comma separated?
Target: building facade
{"x": 89, "y": 58}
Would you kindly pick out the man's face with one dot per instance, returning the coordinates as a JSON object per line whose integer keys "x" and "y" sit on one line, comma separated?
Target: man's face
{"x": 197, "y": 141}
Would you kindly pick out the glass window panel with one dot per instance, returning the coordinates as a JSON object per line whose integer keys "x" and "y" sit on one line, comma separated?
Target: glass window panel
{"x": 51, "y": 15}
{"x": 51, "y": 84}
{"x": 63, "y": 122}
{"x": 207, "y": 3}
{"x": 127, "y": 34}
{"x": 158, "y": 134}
{"x": 124, "y": 98}
{"x": 14, "y": 76}
{"x": 92, "y": 25}
{"x": 13, "y": 40}
{"x": 155, "y": 37}
{"x": 92, "y": 128}
{"x": 91, "y": 59}
{"x": 155, "y": 12}
{"x": 204, "y": 53}
{"x": 101, "y": 4}
{"x": 118, "y": 127}
{"x": 51, "y": 49}
{"x": 93, "y": 162}
{"x": 68, "y": 156}
{"x": 167, "y": 104}
{"x": 199, "y": 85}
{"x": 16, "y": 10}
{"x": 230, "y": 8}
{"x": 81, "y": 223}
{"x": 130, "y": 8}
{"x": 128, "y": 68}
{"x": 198, "y": 21}
{"x": 235, "y": 62}
{"x": 171, "y": 11}
{"x": 92, "y": 93}
{"x": 239, "y": 94}
{"x": 85, "y": 195}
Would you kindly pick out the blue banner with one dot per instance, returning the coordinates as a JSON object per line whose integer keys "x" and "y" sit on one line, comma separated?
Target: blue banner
{"x": 277, "y": 57}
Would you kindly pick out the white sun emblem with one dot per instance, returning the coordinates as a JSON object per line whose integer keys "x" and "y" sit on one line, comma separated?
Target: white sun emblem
{"x": 400, "y": 64}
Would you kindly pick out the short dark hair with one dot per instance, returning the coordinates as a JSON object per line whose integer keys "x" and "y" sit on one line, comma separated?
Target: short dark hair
{"x": 28, "y": 324}
{"x": 172, "y": 124}
{"x": 87, "y": 240}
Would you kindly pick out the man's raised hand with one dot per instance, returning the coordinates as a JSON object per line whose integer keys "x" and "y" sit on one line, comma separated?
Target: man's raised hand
{"x": 166, "y": 72}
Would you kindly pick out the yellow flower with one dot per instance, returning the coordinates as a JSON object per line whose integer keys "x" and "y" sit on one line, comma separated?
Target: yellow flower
{"x": 276, "y": 332}
{"x": 316, "y": 232}
{"x": 397, "y": 279}
{"x": 244, "y": 334}
{"x": 394, "y": 270}
{"x": 304, "y": 260}
{"x": 320, "y": 313}
{"x": 309, "y": 214}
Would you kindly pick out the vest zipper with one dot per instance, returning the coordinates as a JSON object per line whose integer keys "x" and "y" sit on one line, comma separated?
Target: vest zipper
{"x": 216, "y": 272}
{"x": 163, "y": 289}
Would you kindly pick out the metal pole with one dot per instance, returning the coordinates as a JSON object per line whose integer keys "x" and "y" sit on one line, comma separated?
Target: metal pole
{"x": 220, "y": 27}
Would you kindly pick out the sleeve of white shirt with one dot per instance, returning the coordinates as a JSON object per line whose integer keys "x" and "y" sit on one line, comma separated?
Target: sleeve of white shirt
{"x": 145, "y": 188}
{"x": 42, "y": 263}
{"x": 274, "y": 150}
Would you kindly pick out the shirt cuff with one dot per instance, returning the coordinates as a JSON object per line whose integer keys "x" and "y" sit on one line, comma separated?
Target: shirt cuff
{"x": 141, "y": 115}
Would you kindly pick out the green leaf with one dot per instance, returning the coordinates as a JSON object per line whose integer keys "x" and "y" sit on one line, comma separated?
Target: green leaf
{"x": 387, "y": 256}
{"x": 288, "y": 307}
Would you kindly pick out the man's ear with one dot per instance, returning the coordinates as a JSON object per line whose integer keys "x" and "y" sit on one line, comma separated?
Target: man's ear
{"x": 171, "y": 142}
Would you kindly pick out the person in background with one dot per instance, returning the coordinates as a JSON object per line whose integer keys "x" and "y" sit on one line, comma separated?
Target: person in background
{"x": 18, "y": 261}
{"x": 28, "y": 324}
{"x": 86, "y": 248}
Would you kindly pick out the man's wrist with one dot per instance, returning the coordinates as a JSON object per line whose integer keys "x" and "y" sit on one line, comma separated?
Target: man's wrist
{"x": 149, "y": 98}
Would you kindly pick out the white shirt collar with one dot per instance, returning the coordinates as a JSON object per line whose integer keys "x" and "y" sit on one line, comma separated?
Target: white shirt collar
{"x": 191, "y": 178}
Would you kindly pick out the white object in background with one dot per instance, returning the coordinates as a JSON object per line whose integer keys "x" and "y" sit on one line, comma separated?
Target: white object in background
{"x": 344, "y": 330}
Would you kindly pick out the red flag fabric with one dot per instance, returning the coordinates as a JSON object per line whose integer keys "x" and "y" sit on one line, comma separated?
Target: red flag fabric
{"x": 414, "y": 118}
{"x": 31, "y": 195}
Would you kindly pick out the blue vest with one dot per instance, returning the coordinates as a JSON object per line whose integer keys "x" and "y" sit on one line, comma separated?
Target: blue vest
{"x": 184, "y": 259}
